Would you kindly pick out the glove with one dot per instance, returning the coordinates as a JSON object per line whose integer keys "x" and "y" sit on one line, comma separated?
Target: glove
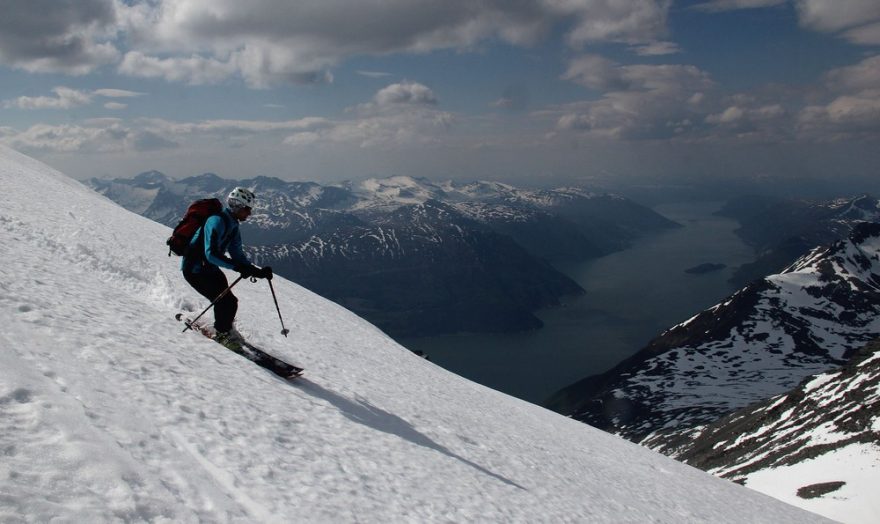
{"x": 265, "y": 272}
{"x": 248, "y": 270}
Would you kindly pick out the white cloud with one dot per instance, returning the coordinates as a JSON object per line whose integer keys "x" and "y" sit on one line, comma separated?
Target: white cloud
{"x": 595, "y": 72}
{"x": 65, "y": 98}
{"x": 405, "y": 93}
{"x": 271, "y": 42}
{"x": 856, "y": 20}
{"x": 400, "y": 123}
{"x": 736, "y": 115}
{"x": 115, "y": 106}
{"x": 515, "y": 98}
{"x": 230, "y": 128}
{"x": 867, "y": 34}
{"x": 627, "y": 21}
{"x": 117, "y": 93}
{"x": 862, "y": 109}
{"x": 305, "y": 138}
{"x": 400, "y": 115}
{"x": 853, "y": 107}
{"x": 848, "y": 117}
{"x": 657, "y": 49}
{"x": 69, "y": 138}
{"x": 374, "y": 74}
{"x": 599, "y": 73}
{"x": 58, "y": 36}
{"x": 103, "y": 135}
{"x": 716, "y": 6}
{"x": 267, "y": 42}
{"x": 192, "y": 70}
{"x": 835, "y": 15}
{"x": 626, "y": 116}
{"x": 678, "y": 102}
{"x": 859, "y": 77}
{"x": 420, "y": 126}
{"x": 148, "y": 141}
{"x": 731, "y": 114}
{"x": 397, "y": 101}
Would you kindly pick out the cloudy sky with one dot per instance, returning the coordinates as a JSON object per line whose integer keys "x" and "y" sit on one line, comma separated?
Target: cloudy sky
{"x": 540, "y": 91}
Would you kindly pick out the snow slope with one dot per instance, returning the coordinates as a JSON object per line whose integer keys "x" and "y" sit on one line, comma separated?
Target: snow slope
{"x": 108, "y": 412}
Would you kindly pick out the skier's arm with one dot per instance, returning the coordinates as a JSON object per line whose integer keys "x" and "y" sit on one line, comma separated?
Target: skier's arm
{"x": 236, "y": 252}
{"x": 214, "y": 229}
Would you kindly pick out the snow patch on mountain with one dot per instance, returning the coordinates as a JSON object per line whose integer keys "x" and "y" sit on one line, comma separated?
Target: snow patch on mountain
{"x": 396, "y": 191}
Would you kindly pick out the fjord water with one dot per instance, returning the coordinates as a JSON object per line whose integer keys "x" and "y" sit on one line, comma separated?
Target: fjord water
{"x": 631, "y": 297}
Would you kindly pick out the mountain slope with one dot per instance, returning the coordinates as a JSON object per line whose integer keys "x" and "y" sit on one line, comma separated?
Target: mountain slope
{"x": 108, "y": 412}
{"x": 759, "y": 343}
{"x": 817, "y": 446}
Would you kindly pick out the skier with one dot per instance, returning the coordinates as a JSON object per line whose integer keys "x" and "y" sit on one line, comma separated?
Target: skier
{"x": 207, "y": 254}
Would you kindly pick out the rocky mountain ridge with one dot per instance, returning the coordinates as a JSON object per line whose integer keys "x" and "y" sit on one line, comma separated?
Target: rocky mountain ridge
{"x": 824, "y": 413}
{"x": 759, "y": 343}
{"x": 794, "y": 446}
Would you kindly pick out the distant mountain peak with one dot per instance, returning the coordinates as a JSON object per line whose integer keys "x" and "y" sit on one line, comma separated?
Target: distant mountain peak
{"x": 204, "y": 177}
{"x": 151, "y": 177}
{"x": 266, "y": 181}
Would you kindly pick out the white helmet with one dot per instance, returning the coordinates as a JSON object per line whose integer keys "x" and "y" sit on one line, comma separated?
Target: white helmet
{"x": 240, "y": 197}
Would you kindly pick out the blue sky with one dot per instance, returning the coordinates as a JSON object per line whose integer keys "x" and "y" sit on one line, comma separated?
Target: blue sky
{"x": 540, "y": 92}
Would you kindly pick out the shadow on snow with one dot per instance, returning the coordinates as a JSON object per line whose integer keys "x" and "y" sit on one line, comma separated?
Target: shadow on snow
{"x": 363, "y": 412}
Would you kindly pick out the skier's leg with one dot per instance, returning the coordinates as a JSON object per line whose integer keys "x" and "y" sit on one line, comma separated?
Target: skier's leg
{"x": 210, "y": 282}
{"x": 225, "y": 308}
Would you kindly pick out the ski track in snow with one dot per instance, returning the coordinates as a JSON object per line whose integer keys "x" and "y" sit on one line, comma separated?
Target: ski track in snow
{"x": 108, "y": 412}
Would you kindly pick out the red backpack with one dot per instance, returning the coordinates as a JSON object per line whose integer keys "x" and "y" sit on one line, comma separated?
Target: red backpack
{"x": 196, "y": 215}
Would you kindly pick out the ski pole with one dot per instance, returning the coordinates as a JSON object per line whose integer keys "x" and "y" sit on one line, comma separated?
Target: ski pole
{"x": 284, "y": 331}
{"x": 221, "y": 295}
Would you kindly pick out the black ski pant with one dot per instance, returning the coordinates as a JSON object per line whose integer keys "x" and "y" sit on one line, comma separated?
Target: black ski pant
{"x": 210, "y": 282}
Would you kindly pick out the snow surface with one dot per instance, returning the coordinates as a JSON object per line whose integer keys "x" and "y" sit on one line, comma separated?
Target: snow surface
{"x": 108, "y": 412}
{"x": 855, "y": 465}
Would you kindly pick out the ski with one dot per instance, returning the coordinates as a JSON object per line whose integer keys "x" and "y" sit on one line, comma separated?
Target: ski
{"x": 251, "y": 352}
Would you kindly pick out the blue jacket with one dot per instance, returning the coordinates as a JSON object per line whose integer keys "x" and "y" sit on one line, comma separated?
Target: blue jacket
{"x": 218, "y": 236}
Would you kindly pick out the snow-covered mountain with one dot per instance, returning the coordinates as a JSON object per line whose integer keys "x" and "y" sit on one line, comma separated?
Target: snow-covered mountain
{"x": 109, "y": 413}
{"x": 411, "y": 256}
{"x": 595, "y": 222}
{"x": 760, "y": 342}
{"x": 424, "y": 269}
{"x": 816, "y": 446}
